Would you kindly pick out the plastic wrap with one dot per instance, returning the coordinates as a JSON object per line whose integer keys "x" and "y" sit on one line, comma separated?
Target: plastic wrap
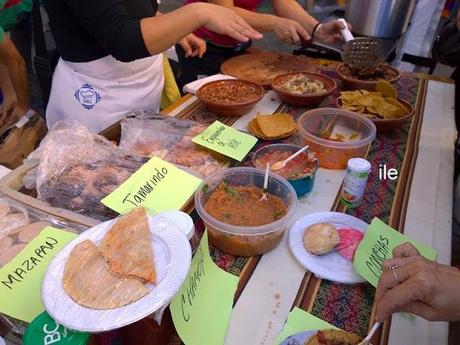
{"x": 337, "y": 263}
{"x": 172, "y": 258}
{"x": 170, "y": 139}
{"x": 15, "y": 236}
{"x": 77, "y": 168}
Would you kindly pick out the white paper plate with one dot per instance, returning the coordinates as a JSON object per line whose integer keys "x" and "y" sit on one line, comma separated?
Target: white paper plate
{"x": 172, "y": 254}
{"x": 299, "y": 338}
{"x": 331, "y": 266}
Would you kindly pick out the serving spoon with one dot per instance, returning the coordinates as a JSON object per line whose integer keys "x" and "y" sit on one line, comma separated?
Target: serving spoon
{"x": 281, "y": 164}
{"x": 366, "y": 341}
{"x": 267, "y": 171}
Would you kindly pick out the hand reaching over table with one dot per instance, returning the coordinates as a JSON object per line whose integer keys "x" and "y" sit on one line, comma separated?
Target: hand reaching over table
{"x": 329, "y": 32}
{"x": 412, "y": 284}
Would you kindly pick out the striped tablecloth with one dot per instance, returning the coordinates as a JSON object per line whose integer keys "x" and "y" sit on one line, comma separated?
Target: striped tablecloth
{"x": 271, "y": 285}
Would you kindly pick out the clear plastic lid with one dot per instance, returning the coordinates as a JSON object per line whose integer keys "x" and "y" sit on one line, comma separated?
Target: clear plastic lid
{"x": 326, "y": 126}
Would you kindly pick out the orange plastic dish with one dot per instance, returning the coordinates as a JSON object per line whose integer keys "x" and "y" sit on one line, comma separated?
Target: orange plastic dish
{"x": 315, "y": 127}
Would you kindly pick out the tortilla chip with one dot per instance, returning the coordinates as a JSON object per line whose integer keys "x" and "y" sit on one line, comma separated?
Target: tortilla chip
{"x": 386, "y": 89}
{"x": 276, "y": 125}
{"x": 127, "y": 247}
{"x": 88, "y": 281}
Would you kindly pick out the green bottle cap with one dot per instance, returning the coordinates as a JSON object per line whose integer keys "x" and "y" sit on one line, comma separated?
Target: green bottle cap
{"x": 43, "y": 330}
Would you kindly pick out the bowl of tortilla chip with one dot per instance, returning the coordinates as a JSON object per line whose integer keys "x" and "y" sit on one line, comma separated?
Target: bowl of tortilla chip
{"x": 303, "y": 88}
{"x": 230, "y": 97}
{"x": 382, "y": 107}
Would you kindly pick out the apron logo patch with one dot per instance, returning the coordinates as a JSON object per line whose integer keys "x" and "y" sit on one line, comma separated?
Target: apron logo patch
{"x": 87, "y": 96}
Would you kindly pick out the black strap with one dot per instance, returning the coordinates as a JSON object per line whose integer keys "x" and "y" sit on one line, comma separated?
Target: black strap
{"x": 39, "y": 35}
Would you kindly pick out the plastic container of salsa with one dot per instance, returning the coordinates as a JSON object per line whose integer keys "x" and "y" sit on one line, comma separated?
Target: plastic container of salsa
{"x": 336, "y": 135}
{"x": 228, "y": 202}
{"x": 300, "y": 172}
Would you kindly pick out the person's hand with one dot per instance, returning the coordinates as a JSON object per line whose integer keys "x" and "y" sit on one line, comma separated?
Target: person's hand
{"x": 405, "y": 250}
{"x": 329, "y": 32}
{"x": 225, "y": 21}
{"x": 193, "y": 46}
{"x": 418, "y": 286}
{"x": 289, "y": 31}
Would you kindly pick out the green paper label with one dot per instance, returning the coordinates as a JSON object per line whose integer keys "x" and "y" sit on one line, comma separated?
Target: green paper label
{"x": 226, "y": 140}
{"x": 204, "y": 302}
{"x": 157, "y": 185}
{"x": 21, "y": 278}
{"x": 299, "y": 321}
{"x": 377, "y": 246}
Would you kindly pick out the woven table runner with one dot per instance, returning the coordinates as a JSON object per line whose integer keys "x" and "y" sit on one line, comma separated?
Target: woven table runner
{"x": 349, "y": 307}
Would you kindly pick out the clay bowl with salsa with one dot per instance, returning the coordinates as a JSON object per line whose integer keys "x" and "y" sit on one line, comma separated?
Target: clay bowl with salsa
{"x": 303, "y": 88}
{"x": 230, "y": 97}
{"x": 352, "y": 81}
{"x": 238, "y": 221}
{"x": 300, "y": 172}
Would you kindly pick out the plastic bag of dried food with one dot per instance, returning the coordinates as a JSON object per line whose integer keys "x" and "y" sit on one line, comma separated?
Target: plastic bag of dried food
{"x": 19, "y": 225}
{"x": 77, "y": 168}
{"x": 170, "y": 139}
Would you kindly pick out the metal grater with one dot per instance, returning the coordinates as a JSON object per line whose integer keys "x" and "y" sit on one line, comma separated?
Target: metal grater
{"x": 360, "y": 52}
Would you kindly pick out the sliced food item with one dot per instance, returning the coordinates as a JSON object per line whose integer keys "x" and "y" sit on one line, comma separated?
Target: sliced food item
{"x": 28, "y": 232}
{"x": 89, "y": 282}
{"x": 349, "y": 241}
{"x": 320, "y": 238}
{"x": 333, "y": 337}
{"x": 7, "y": 254}
{"x": 127, "y": 247}
{"x": 11, "y": 221}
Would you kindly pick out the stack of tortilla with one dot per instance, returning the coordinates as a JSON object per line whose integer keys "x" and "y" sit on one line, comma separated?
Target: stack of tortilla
{"x": 272, "y": 127}
{"x": 115, "y": 273}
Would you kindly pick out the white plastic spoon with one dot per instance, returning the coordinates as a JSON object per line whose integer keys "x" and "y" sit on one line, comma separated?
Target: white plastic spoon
{"x": 366, "y": 340}
{"x": 267, "y": 171}
{"x": 281, "y": 164}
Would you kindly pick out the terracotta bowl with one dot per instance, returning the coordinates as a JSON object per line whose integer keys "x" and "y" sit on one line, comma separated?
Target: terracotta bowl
{"x": 384, "y": 125}
{"x": 303, "y": 99}
{"x": 350, "y": 83}
{"x": 224, "y": 108}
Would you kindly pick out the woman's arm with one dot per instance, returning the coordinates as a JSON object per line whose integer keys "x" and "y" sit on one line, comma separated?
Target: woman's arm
{"x": 327, "y": 32}
{"x": 285, "y": 28}
{"x": 127, "y": 39}
{"x": 161, "y": 32}
{"x": 14, "y": 82}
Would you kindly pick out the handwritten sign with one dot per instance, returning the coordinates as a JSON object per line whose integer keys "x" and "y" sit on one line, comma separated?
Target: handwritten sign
{"x": 226, "y": 140}
{"x": 20, "y": 279}
{"x": 300, "y": 321}
{"x": 204, "y": 302}
{"x": 377, "y": 246}
{"x": 157, "y": 185}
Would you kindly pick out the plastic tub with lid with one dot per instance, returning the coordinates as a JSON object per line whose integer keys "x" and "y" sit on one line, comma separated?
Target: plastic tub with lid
{"x": 246, "y": 240}
{"x": 336, "y": 135}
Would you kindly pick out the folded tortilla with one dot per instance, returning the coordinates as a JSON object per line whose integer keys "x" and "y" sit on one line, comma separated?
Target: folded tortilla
{"x": 88, "y": 281}
{"x": 127, "y": 247}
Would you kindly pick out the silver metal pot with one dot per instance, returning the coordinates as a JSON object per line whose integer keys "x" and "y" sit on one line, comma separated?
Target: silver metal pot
{"x": 379, "y": 18}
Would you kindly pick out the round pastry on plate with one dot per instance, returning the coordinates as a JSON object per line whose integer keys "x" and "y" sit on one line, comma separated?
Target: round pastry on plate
{"x": 320, "y": 238}
{"x": 333, "y": 337}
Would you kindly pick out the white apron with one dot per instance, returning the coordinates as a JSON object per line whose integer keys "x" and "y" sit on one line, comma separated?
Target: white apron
{"x": 101, "y": 92}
